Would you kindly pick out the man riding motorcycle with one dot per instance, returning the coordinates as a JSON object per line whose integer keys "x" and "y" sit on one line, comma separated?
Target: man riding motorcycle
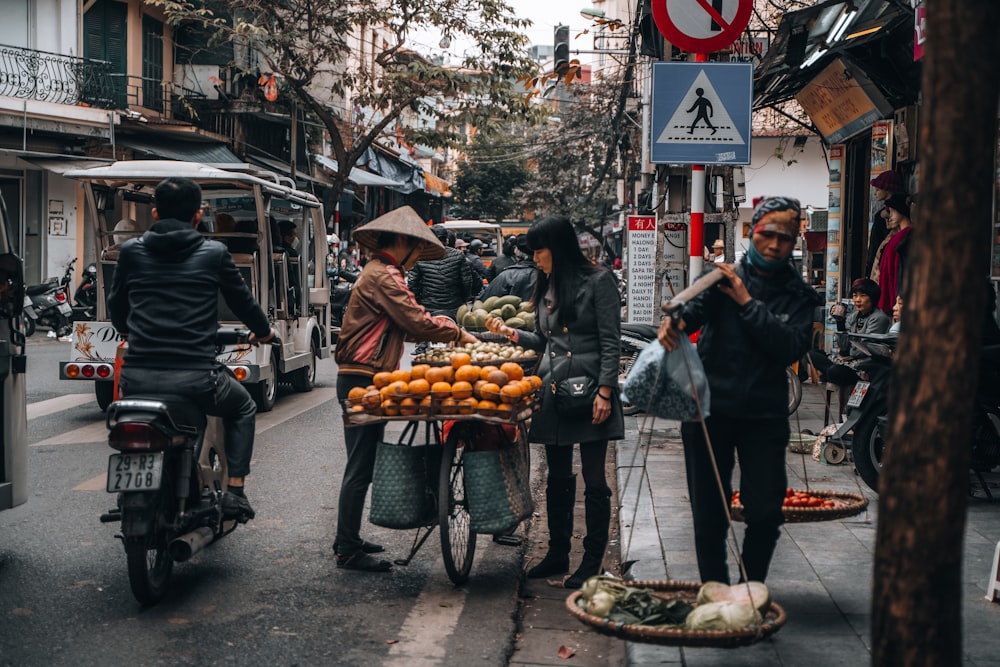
{"x": 167, "y": 282}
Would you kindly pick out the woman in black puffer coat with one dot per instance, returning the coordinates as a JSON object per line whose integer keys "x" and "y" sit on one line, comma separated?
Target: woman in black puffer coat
{"x": 577, "y": 330}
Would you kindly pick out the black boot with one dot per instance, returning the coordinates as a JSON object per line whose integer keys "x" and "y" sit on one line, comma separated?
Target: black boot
{"x": 560, "y": 494}
{"x": 598, "y": 507}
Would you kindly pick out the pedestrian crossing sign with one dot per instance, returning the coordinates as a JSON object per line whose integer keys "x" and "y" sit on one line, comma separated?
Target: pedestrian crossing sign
{"x": 701, "y": 113}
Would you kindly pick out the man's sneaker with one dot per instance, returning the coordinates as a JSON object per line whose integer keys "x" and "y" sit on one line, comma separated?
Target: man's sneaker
{"x": 237, "y": 507}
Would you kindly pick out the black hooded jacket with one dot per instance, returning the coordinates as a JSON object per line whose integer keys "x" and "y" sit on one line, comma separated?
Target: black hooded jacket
{"x": 164, "y": 295}
{"x": 442, "y": 285}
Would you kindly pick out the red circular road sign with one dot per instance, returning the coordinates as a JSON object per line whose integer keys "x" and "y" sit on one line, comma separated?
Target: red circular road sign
{"x": 702, "y": 26}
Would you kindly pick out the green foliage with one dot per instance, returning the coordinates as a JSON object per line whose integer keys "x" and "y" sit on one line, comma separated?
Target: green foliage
{"x": 486, "y": 181}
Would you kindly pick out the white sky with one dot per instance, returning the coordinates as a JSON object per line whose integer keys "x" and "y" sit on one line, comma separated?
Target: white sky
{"x": 546, "y": 14}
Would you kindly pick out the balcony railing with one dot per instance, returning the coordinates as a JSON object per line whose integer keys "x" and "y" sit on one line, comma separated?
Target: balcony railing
{"x": 162, "y": 97}
{"x": 51, "y": 77}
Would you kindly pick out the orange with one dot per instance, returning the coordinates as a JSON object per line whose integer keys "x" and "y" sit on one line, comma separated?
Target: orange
{"x": 510, "y": 393}
{"x": 490, "y": 391}
{"x": 408, "y": 406}
{"x": 460, "y": 359}
{"x": 441, "y": 390}
{"x": 382, "y": 379}
{"x": 418, "y": 371}
{"x": 504, "y": 410}
{"x": 434, "y": 374}
{"x": 426, "y": 406}
{"x": 526, "y": 388}
{"x": 513, "y": 371}
{"x": 398, "y": 388}
{"x": 449, "y": 373}
{"x": 467, "y": 373}
{"x": 535, "y": 381}
{"x": 390, "y": 407}
{"x": 477, "y": 386}
{"x": 498, "y": 378}
{"x": 356, "y": 394}
{"x": 419, "y": 387}
{"x": 467, "y": 406}
{"x": 371, "y": 400}
{"x": 357, "y": 408}
{"x": 400, "y": 376}
{"x": 461, "y": 390}
{"x": 448, "y": 406}
{"x": 487, "y": 407}
{"x": 484, "y": 372}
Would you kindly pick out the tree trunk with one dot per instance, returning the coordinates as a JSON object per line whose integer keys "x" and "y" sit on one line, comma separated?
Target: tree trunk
{"x": 917, "y": 596}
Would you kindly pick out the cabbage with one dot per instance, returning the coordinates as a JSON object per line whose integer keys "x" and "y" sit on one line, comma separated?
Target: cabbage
{"x": 753, "y": 592}
{"x": 601, "y": 604}
{"x": 727, "y": 615}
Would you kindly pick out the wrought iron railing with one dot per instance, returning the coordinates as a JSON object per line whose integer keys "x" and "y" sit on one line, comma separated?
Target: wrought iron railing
{"x": 162, "y": 97}
{"x": 52, "y": 77}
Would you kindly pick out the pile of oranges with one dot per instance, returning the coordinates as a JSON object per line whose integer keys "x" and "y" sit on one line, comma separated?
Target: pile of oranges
{"x": 458, "y": 389}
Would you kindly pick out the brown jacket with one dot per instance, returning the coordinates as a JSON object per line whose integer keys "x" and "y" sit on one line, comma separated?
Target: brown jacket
{"x": 381, "y": 315}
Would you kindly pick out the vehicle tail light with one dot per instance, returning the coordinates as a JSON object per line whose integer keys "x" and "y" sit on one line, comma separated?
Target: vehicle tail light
{"x": 87, "y": 371}
{"x": 104, "y": 372}
{"x": 241, "y": 373}
{"x": 134, "y": 436}
{"x": 72, "y": 371}
{"x": 60, "y": 296}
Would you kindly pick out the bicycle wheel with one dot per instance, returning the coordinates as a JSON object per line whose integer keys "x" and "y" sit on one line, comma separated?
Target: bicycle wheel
{"x": 458, "y": 542}
{"x": 794, "y": 390}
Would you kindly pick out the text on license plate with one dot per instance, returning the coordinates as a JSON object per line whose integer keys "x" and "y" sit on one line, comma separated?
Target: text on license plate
{"x": 135, "y": 472}
{"x": 65, "y": 309}
{"x": 858, "y": 394}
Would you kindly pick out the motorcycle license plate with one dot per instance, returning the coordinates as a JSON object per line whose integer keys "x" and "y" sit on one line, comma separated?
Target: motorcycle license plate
{"x": 135, "y": 472}
{"x": 65, "y": 309}
{"x": 858, "y": 394}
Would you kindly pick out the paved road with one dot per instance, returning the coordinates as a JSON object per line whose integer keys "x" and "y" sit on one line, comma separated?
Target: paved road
{"x": 267, "y": 594}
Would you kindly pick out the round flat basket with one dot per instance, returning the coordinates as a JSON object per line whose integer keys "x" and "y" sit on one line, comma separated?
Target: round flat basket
{"x": 845, "y": 505}
{"x": 688, "y": 591}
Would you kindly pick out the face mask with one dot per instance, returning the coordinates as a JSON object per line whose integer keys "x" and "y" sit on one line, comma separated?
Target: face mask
{"x": 759, "y": 262}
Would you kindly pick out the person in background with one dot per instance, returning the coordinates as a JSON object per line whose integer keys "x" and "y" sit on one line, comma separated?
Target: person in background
{"x": 865, "y": 318}
{"x": 442, "y": 285}
{"x": 753, "y": 325}
{"x": 719, "y": 251}
{"x": 891, "y": 263}
{"x": 897, "y": 315}
{"x": 520, "y": 279}
{"x": 474, "y": 253}
{"x": 885, "y": 184}
{"x": 121, "y": 228}
{"x": 578, "y": 326}
{"x": 288, "y": 240}
{"x": 506, "y": 259}
{"x": 196, "y": 270}
{"x": 381, "y": 315}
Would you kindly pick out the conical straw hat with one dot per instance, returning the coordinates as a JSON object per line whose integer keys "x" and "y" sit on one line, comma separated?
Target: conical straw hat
{"x": 400, "y": 221}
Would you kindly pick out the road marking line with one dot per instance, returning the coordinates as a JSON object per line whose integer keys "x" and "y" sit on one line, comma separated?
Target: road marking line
{"x": 433, "y": 618}
{"x": 58, "y": 404}
{"x": 290, "y": 406}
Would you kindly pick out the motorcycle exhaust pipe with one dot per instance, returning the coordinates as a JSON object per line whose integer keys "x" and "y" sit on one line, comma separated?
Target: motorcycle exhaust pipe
{"x": 185, "y": 546}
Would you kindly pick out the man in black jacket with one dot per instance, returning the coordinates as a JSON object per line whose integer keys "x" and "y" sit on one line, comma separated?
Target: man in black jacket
{"x": 474, "y": 253}
{"x": 753, "y": 325}
{"x": 164, "y": 298}
{"x": 442, "y": 285}
{"x": 519, "y": 279}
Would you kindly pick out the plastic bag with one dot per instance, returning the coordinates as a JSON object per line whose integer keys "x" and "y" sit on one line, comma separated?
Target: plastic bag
{"x": 660, "y": 384}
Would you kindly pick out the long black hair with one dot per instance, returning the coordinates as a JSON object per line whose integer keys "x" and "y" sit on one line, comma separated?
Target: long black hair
{"x": 569, "y": 264}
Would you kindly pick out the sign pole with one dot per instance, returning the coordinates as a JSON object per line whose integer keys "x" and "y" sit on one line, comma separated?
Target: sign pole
{"x": 697, "y": 231}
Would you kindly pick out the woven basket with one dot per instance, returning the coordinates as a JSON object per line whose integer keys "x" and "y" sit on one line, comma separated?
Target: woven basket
{"x": 688, "y": 591}
{"x": 846, "y": 504}
{"x": 403, "y": 486}
{"x": 497, "y": 488}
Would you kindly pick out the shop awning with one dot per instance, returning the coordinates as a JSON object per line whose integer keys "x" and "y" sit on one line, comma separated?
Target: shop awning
{"x": 208, "y": 153}
{"x": 359, "y": 176}
{"x": 409, "y": 177}
{"x": 436, "y": 186}
{"x": 873, "y": 36}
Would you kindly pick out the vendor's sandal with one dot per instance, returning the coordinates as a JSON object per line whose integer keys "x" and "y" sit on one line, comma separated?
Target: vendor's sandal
{"x": 371, "y": 547}
{"x": 363, "y": 562}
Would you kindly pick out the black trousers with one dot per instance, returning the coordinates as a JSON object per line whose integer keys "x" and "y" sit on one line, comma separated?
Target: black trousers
{"x": 760, "y": 445}
{"x": 362, "y": 443}
{"x": 832, "y": 371}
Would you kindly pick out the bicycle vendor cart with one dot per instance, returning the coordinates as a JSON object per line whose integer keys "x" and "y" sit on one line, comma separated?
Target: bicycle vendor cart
{"x": 456, "y": 466}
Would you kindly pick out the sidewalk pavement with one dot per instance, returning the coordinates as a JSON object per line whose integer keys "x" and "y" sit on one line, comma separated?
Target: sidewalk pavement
{"x": 821, "y": 573}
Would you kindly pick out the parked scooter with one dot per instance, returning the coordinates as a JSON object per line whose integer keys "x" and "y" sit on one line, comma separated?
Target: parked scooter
{"x": 170, "y": 476}
{"x": 47, "y": 305}
{"x": 863, "y": 433}
{"x": 85, "y": 296}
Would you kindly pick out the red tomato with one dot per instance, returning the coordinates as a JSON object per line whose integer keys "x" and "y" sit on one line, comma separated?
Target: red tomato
{"x": 789, "y": 492}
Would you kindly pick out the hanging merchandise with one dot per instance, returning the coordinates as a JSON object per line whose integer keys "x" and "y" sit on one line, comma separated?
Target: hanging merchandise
{"x": 269, "y": 85}
{"x": 669, "y": 385}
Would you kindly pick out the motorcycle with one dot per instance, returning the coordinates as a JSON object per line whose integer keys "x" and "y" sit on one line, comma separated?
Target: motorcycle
{"x": 47, "y": 305}
{"x": 863, "y": 433}
{"x": 85, "y": 296}
{"x": 170, "y": 476}
{"x": 341, "y": 282}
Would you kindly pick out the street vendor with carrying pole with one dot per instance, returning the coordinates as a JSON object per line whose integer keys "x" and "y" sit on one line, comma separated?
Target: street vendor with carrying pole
{"x": 381, "y": 315}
